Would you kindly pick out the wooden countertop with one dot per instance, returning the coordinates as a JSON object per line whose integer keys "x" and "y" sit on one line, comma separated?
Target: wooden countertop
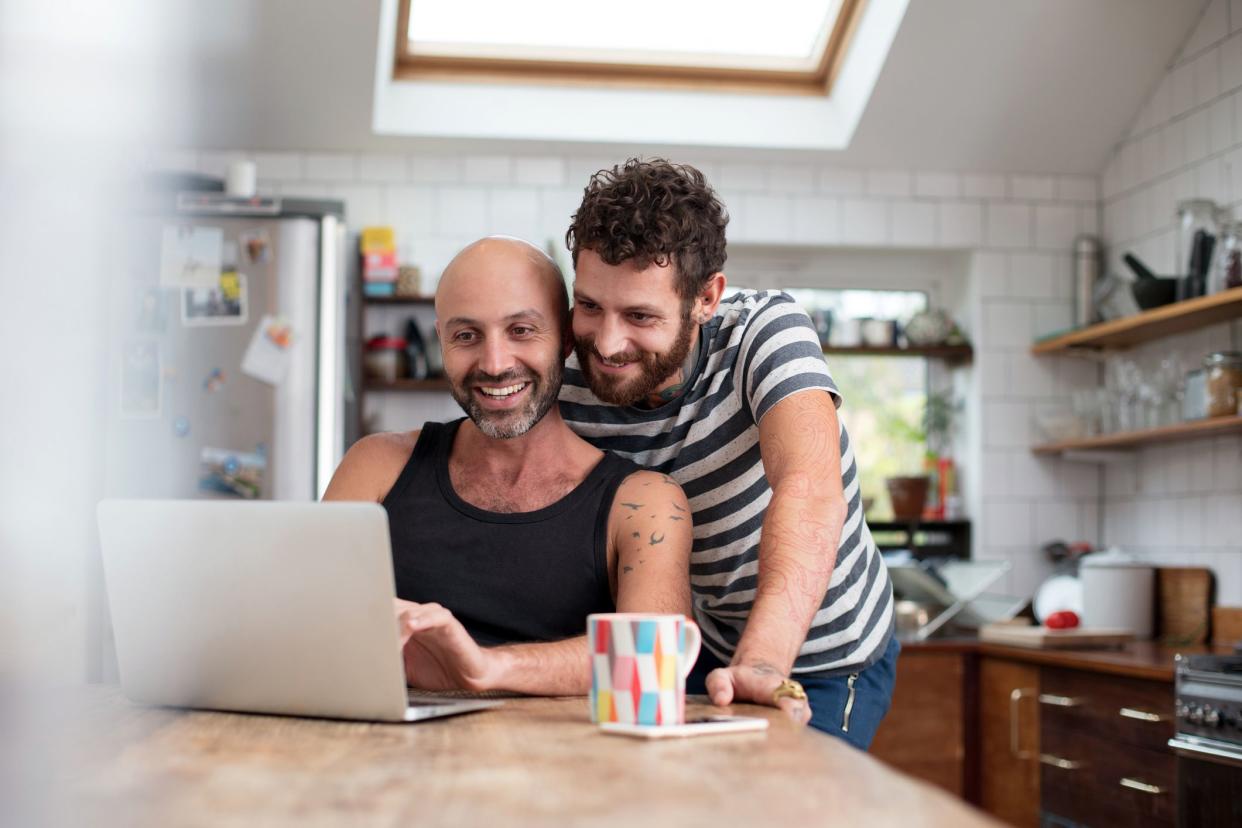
{"x": 530, "y": 762}
{"x": 1138, "y": 659}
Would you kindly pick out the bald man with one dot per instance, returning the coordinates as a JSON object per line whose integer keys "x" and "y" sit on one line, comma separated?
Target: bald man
{"x": 507, "y": 528}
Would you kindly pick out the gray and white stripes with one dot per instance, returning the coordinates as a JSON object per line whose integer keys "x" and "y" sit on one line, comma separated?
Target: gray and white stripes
{"x": 760, "y": 348}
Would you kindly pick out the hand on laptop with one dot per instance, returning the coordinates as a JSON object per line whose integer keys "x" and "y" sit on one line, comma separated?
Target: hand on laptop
{"x": 438, "y": 652}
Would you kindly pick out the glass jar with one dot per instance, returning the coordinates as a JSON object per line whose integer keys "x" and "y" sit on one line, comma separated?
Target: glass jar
{"x": 384, "y": 358}
{"x": 1198, "y": 220}
{"x": 1224, "y": 381}
{"x": 1227, "y": 269}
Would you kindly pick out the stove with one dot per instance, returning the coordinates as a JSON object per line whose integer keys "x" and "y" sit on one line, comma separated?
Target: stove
{"x": 1208, "y": 741}
{"x": 1209, "y": 703}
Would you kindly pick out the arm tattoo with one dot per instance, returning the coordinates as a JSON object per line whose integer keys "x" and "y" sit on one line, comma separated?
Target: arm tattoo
{"x": 678, "y": 508}
{"x": 634, "y": 506}
{"x": 656, "y": 537}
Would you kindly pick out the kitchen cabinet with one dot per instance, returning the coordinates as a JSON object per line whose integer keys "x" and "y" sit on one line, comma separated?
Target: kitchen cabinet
{"x": 1009, "y": 740}
{"x": 925, "y": 731}
{"x": 1104, "y": 756}
{"x": 1039, "y": 737}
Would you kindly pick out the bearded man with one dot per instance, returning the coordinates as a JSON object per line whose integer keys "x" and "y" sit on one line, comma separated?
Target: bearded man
{"x": 730, "y": 396}
{"x": 508, "y": 529}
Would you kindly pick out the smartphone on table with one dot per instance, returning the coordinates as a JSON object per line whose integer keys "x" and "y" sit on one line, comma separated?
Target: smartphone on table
{"x": 701, "y": 726}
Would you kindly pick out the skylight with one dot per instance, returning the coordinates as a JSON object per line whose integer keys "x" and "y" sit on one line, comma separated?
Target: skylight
{"x": 774, "y": 42}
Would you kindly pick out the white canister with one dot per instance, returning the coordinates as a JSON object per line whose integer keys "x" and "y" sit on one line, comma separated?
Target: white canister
{"x": 241, "y": 179}
{"x": 1117, "y": 594}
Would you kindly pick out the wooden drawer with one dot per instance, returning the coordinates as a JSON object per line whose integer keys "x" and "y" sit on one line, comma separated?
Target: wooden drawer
{"x": 1127, "y": 711}
{"x": 1100, "y": 782}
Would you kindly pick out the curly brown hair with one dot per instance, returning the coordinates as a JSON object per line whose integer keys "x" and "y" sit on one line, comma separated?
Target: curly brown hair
{"x": 653, "y": 212}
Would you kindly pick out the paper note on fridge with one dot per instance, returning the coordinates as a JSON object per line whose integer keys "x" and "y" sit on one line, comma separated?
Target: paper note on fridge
{"x": 267, "y": 356}
{"x": 190, "y": 256}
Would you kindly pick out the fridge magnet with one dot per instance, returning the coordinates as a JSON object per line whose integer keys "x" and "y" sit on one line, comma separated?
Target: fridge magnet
{"x": 223, "y": 304}
{"x": 267, "y": 355}
{"x": 190, "y": 256}
{"x": 150, "y": 310}
{"x": 257, "y": 244}
{"x": 181, "y": 427}
{"x": 235, "y": 473}
{"x": 141, "y": 389}
{"x": 215, "y": 381}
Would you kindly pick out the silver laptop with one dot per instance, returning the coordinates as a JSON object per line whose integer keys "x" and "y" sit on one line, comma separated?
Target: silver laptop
{"x": 259, "y": 607}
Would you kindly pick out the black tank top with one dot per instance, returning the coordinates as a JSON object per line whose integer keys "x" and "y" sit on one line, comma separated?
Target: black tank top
{"x": 525, "y": 576}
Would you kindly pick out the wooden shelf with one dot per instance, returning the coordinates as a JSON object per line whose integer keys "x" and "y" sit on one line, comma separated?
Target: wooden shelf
{"x": 949, "y": 353}
{"x": 1211, "y": 427}
{"x": 398, "y": 300}
{"x": 433, "y": 384}
{"x": 1168, "y": 320}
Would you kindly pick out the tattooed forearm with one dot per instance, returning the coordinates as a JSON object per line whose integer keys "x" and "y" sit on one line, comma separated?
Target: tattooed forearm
{"x": 800, "y": 446}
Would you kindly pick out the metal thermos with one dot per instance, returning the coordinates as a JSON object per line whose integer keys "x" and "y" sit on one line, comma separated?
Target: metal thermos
{"x": 1087, "y": 252}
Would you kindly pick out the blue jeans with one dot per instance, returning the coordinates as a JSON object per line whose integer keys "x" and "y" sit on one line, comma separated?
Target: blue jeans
{"x": 828, "y": 695}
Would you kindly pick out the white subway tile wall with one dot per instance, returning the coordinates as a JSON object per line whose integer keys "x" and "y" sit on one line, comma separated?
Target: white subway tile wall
{"x": 1017, "y": 227}
{"x": 1181, "y": 504}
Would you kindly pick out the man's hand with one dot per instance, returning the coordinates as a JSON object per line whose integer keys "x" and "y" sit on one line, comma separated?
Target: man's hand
{"x": 753, "y": 683}
{"x": 438, "y": 652}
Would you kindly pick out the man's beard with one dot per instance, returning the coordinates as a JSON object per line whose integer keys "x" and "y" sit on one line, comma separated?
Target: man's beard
{"x": 653, "y": 369}
{"x": 505, "y": 425}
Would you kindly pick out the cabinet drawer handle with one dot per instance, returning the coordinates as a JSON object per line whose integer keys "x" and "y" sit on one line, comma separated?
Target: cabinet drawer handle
{"x": 1059, "y": 701}
{"x": 1136, "y": 785}
{"x": 1058, "y": 762}
{"x": 1015, "y": 711}
{"x": 1141, "y": 715}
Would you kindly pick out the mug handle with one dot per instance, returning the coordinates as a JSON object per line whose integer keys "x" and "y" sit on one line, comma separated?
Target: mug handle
{"x": 690, "y": 654}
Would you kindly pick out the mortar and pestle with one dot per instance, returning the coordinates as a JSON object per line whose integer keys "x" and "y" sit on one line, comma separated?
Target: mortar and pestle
{"x": 1150, "y": 290}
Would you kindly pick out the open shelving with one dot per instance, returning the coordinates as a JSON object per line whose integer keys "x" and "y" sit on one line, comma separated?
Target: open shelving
{"x": 949, "y": 353}
{"x": 1147, "y": 326}
{"x": 430, "y": 384}
{"x": 1212, "y": 427}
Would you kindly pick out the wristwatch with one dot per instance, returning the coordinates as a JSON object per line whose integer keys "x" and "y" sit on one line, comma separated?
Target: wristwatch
{"x": 788, "y": 689}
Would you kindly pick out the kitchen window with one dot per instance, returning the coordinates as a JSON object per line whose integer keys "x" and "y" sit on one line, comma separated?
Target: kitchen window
{"x": 786, "y": 46}
{"x": 884, "y": 395}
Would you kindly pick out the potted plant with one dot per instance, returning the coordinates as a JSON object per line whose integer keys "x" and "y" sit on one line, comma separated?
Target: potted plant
{"x": 908, "y": 494}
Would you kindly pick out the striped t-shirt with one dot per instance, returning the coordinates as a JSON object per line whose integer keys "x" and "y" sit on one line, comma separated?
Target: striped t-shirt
{"x": 759, "y": 348}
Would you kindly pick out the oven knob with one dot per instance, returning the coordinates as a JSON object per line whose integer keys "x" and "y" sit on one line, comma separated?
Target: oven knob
{"x": 1211, "y": 717}
{"x": 1183, "y": 710}
{"x": 1196, "y": 714}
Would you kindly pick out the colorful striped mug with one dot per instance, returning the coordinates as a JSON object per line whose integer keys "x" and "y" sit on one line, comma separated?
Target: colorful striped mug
{"x": 639, "y": 664}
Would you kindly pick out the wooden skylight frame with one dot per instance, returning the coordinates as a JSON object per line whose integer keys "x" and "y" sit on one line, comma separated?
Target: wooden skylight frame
{"x": 469, "y": 63}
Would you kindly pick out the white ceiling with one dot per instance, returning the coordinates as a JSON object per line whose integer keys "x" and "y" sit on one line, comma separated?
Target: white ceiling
{"x": 970, "y": 85}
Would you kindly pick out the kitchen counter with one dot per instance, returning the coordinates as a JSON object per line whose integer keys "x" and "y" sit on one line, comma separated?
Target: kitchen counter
{"x": 1138, "y": 659}
{"x": 533, "y": 761}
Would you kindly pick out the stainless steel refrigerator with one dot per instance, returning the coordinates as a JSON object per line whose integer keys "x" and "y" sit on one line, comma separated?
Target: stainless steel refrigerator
{"x": 227, "y": 353}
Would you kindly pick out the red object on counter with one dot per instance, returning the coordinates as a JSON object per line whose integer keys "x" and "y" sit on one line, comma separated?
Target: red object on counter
{"x": 1063, "y": 620}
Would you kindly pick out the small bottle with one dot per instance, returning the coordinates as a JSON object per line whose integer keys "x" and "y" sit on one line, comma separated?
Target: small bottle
{"x": 1086, "y": 272}
{"x": 416, "y": 351}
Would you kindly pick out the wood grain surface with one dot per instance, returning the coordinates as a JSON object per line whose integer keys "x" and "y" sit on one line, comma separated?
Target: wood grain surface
{"x": 924, "y": 732}
{"x": 530, "y": 762}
